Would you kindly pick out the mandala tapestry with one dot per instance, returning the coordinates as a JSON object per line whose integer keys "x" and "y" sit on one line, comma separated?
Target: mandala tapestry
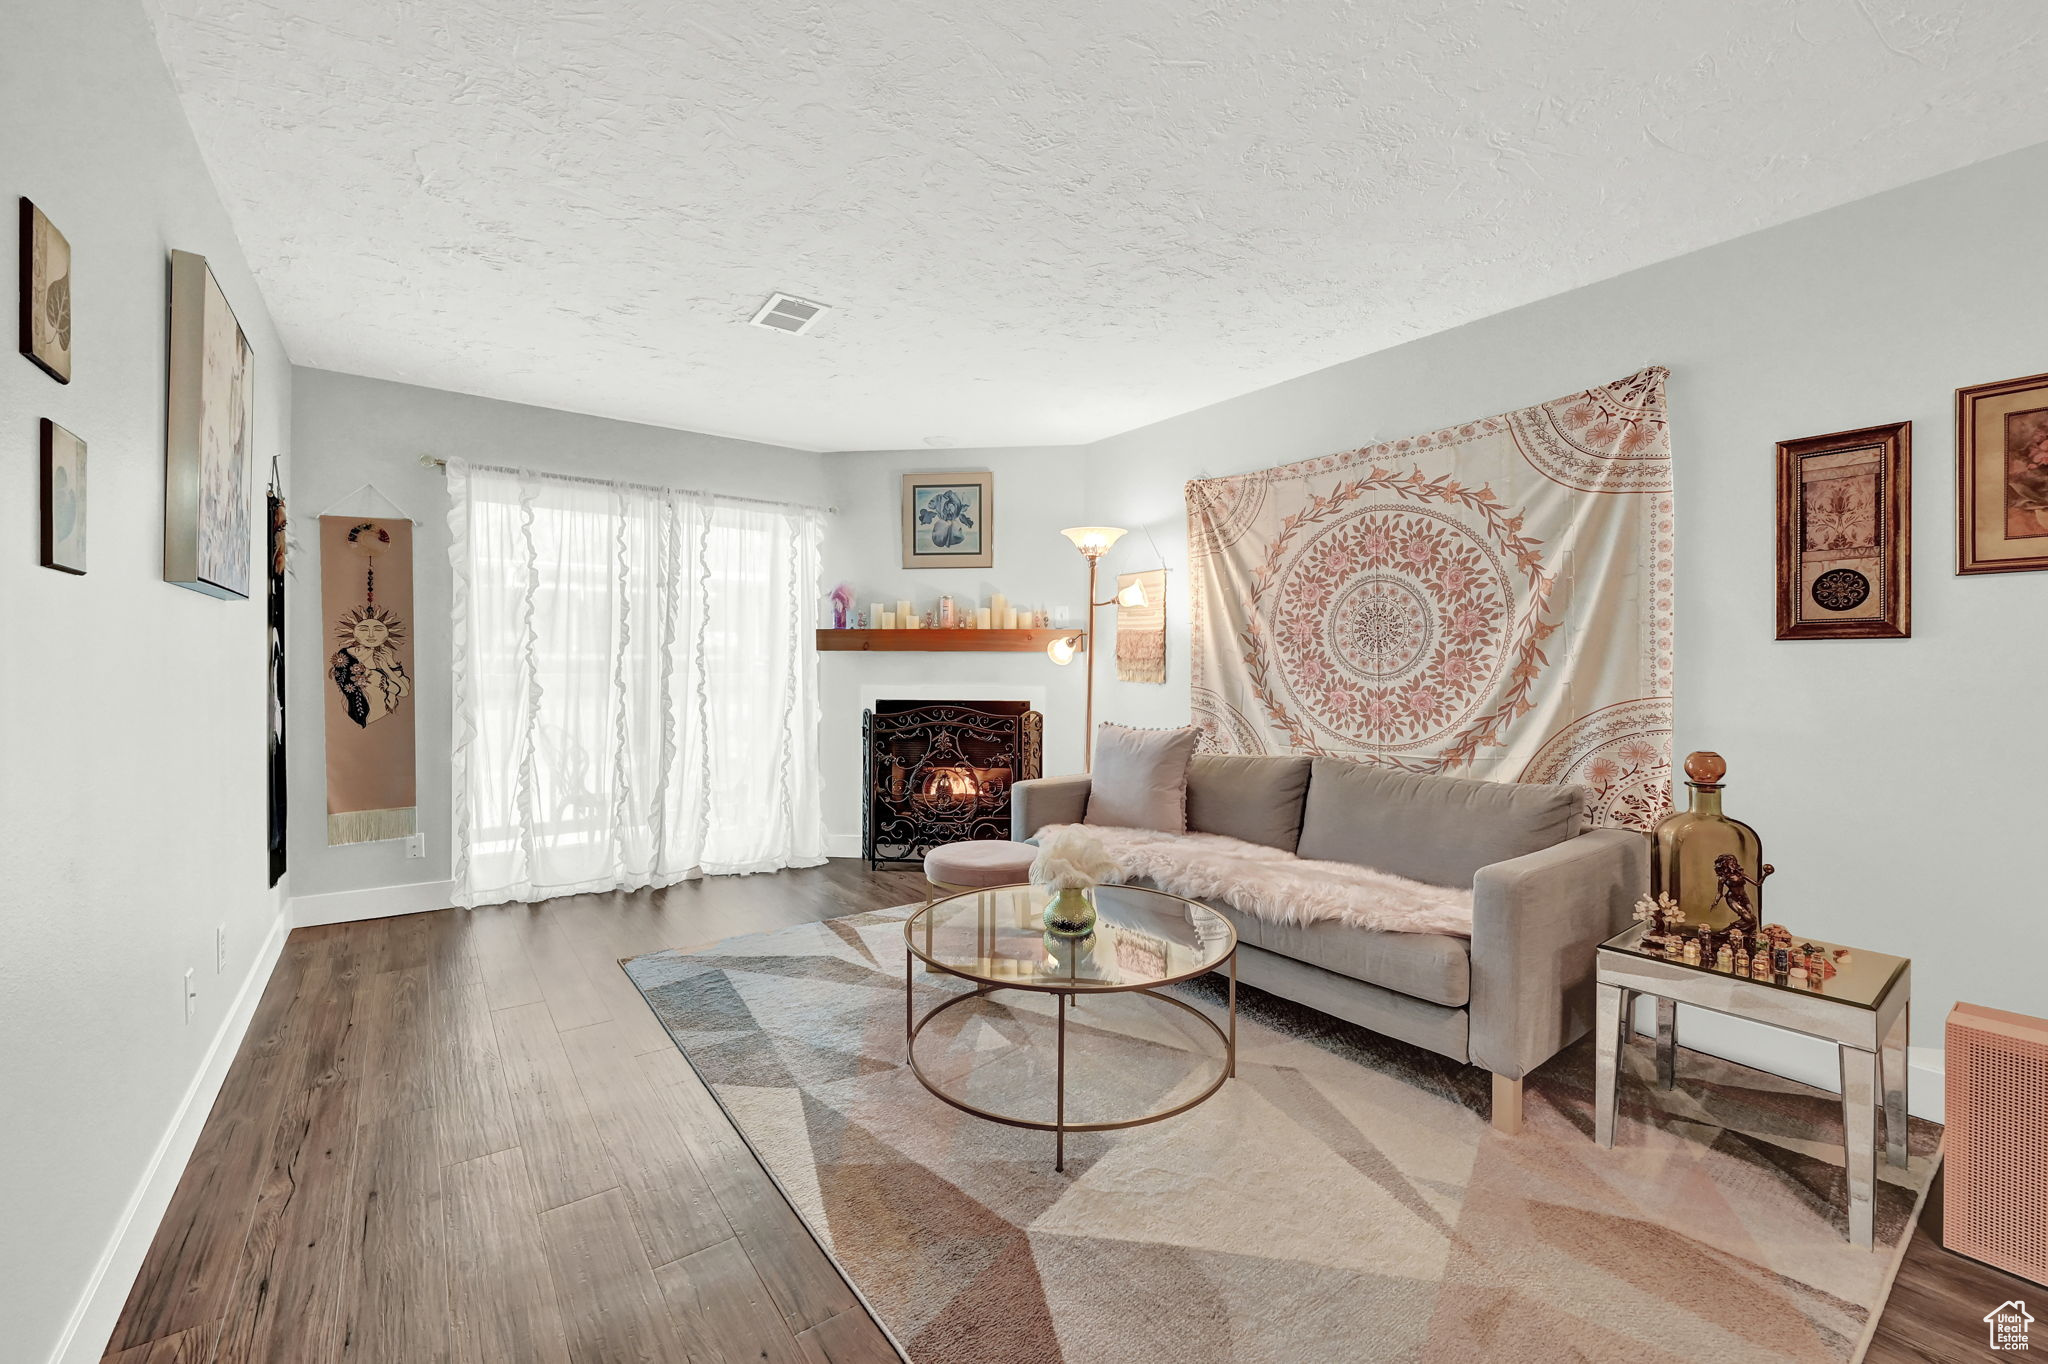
{"x": 1490, "y": 600}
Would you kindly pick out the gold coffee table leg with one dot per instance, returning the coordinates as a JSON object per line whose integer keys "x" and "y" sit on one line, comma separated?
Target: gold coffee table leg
{"x": 1059, "y": 1111}
{"x": 1233, "y": 1013}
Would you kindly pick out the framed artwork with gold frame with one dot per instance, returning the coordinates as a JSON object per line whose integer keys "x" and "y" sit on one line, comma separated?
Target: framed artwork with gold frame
{"x": 1845, "y": 535}
{"x": 2002, "y": 476}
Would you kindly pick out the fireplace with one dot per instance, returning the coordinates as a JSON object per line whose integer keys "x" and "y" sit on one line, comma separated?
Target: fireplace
{"x": 940, "y": 772}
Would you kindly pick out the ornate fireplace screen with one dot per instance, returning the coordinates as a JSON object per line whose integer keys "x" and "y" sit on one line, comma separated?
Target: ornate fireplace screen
{"x": 941, "y": 771}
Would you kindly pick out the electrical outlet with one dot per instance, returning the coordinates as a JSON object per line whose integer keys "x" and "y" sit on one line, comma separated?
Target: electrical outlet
{"x": 191, "y": 995}
{"x": 220, "y": 948}
{"x": 416, "y": 845}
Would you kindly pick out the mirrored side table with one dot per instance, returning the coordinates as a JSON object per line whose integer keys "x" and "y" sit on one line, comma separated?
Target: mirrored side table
{"x": 1864, "y": 1010}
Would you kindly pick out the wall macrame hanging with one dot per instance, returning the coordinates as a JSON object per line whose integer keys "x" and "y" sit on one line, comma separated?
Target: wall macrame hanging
{"x": 1490, "y": 600}
{"x": 366, "y": 605}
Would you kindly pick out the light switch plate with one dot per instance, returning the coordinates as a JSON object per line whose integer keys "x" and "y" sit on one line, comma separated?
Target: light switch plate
{"x": 191, "y": 995}
{"x": 416, "y": 845}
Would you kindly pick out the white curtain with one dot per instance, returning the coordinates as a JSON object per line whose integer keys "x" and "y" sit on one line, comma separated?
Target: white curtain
{"x": 635, "y": 685}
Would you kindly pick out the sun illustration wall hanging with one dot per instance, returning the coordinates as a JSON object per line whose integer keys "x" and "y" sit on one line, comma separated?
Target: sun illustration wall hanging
{"x": 366, "y": 592}
{"x": 367, "y": 667}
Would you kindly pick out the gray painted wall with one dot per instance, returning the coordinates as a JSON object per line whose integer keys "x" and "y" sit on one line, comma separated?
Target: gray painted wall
{"x": 132, "y": 712}
{"x": 1896, "y": 783}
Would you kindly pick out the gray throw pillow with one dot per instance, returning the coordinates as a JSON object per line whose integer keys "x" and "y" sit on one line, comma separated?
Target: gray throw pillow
{"x": 1141, "y": 778}
{"x": 1257, "y": 799}
{"x": 1439, "y": 830}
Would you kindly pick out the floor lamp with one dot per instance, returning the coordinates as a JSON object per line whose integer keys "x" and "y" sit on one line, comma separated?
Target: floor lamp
{"x": 1093, "y": 542}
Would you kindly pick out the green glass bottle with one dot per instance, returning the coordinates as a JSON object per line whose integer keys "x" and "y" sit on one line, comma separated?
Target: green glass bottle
{"x": 1687, "y": 846}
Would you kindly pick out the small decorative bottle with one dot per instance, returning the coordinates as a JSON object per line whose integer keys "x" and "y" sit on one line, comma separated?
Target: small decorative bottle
{"x": 1692, "y": 951}
{"x": 1760, "y": 963}
{"x": 1724, "y": 960}
{"x": 1686, "y": 844}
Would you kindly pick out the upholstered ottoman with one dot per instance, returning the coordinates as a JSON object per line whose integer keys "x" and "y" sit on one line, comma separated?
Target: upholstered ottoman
{"x": 973, "y": 865}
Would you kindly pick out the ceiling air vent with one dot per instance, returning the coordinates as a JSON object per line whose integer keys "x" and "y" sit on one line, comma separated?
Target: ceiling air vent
{"x": 788, "y": 313}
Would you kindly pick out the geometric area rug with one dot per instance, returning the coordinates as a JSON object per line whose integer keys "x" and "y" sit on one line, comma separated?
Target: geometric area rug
{"x": 1342, "y": 1199}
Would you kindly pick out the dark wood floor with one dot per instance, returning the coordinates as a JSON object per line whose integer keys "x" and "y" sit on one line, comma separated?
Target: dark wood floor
{"x": 1936, "y": 1309}
{"x": 463, "y": 1137}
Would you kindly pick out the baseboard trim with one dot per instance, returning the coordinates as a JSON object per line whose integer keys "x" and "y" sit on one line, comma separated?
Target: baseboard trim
{"x": 1792, "y": 1056}
{"x": 84, "y": 1337}
{"x": 375, "y": 902}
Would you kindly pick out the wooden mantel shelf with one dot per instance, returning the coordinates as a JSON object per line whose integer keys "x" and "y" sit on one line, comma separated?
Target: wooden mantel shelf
{"x": 944, "y": 641}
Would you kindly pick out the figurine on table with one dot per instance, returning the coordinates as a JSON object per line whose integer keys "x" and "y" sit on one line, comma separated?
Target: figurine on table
{"x": 1735, "y": 884}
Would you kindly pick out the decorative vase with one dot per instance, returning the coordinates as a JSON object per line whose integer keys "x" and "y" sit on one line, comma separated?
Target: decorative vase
{"x": 1688, "y": 848}
{"x": 1070, "y": 913}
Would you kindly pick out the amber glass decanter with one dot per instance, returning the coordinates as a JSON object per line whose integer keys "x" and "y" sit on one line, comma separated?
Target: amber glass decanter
{"x": 1687, "y": 847}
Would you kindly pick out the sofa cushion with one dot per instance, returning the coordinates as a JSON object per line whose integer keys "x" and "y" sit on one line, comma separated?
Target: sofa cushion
{"x": 1141, "y": 778}
{"x": 1257, "y": 799}
{"x": 1441, "y": 830}
{"x": 1430, "y": 966}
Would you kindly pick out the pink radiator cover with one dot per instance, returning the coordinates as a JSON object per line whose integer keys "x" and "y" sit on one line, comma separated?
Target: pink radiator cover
{"x": 1995, "y": 1192}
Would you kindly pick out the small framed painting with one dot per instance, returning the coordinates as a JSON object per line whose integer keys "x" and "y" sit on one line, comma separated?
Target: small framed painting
{"x": 63, "y": 499}
{"x": 2002, "y": 476}
{"x": 1845, "y": 535}
{"x": 45, "y": 294}
{"x": 949, "y": 520}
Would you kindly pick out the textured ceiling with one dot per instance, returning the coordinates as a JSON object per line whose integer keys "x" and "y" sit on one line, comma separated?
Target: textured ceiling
{"x": 1038, "y": 222}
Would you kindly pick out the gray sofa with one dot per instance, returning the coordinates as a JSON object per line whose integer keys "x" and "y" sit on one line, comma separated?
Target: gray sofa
{"x": 1546, "y": 891}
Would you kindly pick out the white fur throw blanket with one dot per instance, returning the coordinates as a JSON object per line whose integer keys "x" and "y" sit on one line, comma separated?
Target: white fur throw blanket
{"x": 1278, "y": 886}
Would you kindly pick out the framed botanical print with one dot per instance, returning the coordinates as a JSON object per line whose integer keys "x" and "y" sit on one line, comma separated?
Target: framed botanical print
{"x": 63, "y": 499}
{"x": 45, "y": 294}
{"x": 1845, "y": 535}
{"x": 2002, "y": 476}
{"x": 949, "y": 520}
{"x": 209, "y": 485}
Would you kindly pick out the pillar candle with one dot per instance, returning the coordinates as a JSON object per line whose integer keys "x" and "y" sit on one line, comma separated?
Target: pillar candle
{"x": 875, "y": 616}
{"x": 981, "y": 618}
{"x": 902, "y": 611}
{"x": 996, "y": 604}
{"x": 1009, "y": 618}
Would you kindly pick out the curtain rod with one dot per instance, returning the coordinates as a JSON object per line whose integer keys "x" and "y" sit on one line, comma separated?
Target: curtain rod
{"x": 435, "y": 462}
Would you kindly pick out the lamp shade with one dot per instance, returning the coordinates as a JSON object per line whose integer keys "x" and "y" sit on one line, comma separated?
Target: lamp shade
{"x": 1061, "y": 650}
{"x": 1131, "y": 594}
{"x": 1094, "y": 541}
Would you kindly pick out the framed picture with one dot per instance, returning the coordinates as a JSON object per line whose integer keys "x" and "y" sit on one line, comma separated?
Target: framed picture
{"x": 207, "y": 444}
{"x": 1845, "y": 535}
{"x": 45, "y": 294}
{"x": 2002, "y": 476}
{"x": 63, "y": 499}
{"x": 949, "y": 521}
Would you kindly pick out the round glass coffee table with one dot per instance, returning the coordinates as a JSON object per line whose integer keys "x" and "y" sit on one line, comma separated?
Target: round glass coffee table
{"x": 1144, "y": 940}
